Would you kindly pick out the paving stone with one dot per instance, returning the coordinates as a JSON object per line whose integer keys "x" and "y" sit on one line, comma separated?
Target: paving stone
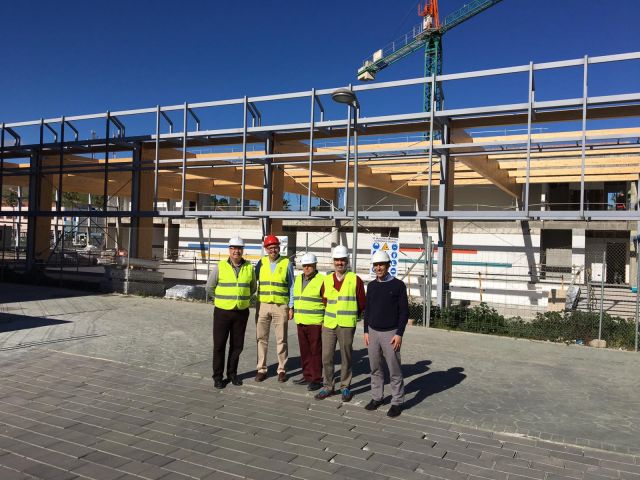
{"x": 186, "y": 468}
{"x": 349, "y": 451}
{"x": 16, "y": 462}
{"x": 391, "y": 471}
{"x": 62, "y": 461}
{"x": 480, "y": 471}
{"x": 517, "y": 470}
{"x": 105, "y": 459}
{"x": 468, "y": 459}
{"x": 557, "y": 470}
{"x": 155, "y": 447}
{"x": 358, "y": 474}
{"x": 576, "y": 458}
{"x": 623, "y": 467}
{"x": 49, "y": 472}
{"x": 7, "y": 474}
{"x": 97, "y": 472}
{"x": 439, "y": 472}
{"x": 313, "y": 474}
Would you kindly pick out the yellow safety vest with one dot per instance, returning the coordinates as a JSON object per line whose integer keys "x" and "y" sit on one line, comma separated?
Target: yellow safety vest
{"x": 309, "y": 308}
{"x": 273, "y": 286}
{"x": 233, "y": 292}
{"x": 342, "y": 306}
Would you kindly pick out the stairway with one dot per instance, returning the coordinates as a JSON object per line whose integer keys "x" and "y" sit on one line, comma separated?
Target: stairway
{"x": 619, "y": 301}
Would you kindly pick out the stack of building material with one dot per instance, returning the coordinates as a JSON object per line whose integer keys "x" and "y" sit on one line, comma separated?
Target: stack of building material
{"x": 134, "y": 276}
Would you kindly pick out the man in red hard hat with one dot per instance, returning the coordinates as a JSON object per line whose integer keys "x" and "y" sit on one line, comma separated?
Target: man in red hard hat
{"x": 275, "y": 297}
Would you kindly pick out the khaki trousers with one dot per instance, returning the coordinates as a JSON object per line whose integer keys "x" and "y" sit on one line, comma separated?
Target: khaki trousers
{"x": 271, "y": 314}
{"x": 331, "y": 336}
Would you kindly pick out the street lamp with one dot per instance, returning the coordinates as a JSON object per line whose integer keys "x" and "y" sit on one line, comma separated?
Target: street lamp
{"x": 346, "y": 96}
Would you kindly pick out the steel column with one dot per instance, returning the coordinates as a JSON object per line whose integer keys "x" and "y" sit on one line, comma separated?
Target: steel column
{"x": 584, "y": 132}
{"x": 105, "y": 199}
{"x": 267, "y": 187}
{"x": 156, "y": 162}
{"x": 244, "y": 155}
{"x": 1, "y": 159}
{"x": 443, "y": 225}
{"x": 311, "y": 135}
{"x": 59, "y": 196}
{"x": 529, "y": 119}
{"x": 183, "y": 185}
{"x": 356, "y": 114}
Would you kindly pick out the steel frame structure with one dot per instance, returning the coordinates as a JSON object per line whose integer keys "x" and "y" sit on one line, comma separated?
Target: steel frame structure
{"x": 445, "y": 121}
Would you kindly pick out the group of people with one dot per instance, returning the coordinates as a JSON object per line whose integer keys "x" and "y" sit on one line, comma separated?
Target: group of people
{"x": 325, "y": 309}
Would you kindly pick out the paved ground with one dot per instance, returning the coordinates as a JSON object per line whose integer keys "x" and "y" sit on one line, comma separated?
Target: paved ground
{"x": 118, "y": 387}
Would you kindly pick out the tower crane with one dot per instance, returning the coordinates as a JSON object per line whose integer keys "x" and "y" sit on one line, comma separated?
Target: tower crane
{"x": 427, "y": 34}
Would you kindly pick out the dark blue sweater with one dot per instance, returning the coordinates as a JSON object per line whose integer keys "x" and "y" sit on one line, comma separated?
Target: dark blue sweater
{"x": 387, "y": 306}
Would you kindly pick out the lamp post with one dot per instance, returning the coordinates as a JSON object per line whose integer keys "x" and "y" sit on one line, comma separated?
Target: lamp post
{"x": 346, "y": 96}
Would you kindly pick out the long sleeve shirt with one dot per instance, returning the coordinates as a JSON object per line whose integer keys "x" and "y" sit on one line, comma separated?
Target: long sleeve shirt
{"x": 290, "y": 278}
{"x": 212, "y": 279}
{"x": 387, "y": 305}
{"x": 360, "y": 294}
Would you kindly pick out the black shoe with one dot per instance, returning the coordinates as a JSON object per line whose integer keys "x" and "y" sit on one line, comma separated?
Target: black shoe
{"x": 394, "y": 411}
{"x": 218, "y": 383}
{"x": 234, "y": 380}
{"x": 373, "y": 405}
{"x": 313, "y": 386}
{"x": 301, "y": 381}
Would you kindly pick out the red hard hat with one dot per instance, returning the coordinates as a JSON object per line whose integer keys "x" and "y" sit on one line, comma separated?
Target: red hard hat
{"x": 271, "y": 240}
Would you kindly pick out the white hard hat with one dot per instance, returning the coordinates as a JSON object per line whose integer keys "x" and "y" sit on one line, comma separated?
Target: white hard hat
{"x": 236, "y": 242}
{"x": 340, "y": 251}
{"x": 380, "y": 257}
{"x": 308, "y": 259}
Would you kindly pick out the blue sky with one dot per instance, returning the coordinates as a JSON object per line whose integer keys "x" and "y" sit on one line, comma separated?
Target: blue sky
{"x": 77, "y": 57}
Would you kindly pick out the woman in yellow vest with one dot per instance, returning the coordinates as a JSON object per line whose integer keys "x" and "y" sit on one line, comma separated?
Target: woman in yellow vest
{"x": 345, "y": 301}
{"x": 231, "y": 284}
{"x": 308, "y": 290}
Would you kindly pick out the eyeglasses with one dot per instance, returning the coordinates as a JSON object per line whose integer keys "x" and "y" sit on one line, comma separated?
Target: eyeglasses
{"x": 375, "y": 265}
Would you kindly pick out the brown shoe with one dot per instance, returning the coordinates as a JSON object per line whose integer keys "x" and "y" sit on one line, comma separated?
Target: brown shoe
{"x": 261, "y": 376}
{"x": 282, "y": 377}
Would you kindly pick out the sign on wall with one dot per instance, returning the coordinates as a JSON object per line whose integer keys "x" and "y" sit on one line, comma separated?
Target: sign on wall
{"x": 392, "y": 247}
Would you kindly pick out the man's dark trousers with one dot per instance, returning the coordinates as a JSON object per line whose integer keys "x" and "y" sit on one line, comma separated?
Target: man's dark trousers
{"x": 310, "y": 342}
{"x": 228, "y": 324}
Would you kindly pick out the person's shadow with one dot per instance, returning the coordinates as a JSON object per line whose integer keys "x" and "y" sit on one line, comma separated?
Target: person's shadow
{"x": 408, "y": 371}
{"x": 432, "y": 383}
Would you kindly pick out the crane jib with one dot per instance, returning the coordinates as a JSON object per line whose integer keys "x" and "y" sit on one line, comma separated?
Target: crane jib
{"x": 418, "y": 37}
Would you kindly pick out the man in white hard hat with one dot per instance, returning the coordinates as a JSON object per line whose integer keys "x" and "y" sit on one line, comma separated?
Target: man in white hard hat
{"x": 385, "y": 318}
{"x": 308, "y": 290}
{"x": 231, "y": 283}
{"x": 345, "y": 300}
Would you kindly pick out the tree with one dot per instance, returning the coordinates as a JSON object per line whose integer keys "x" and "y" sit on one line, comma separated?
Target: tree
{"x": 12, "y": 197}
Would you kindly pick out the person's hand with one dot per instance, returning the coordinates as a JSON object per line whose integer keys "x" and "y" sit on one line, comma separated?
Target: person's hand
{"x": 366, "y": 339}
{"x": 290, "y": 313}
{"x": 396, "y": 342}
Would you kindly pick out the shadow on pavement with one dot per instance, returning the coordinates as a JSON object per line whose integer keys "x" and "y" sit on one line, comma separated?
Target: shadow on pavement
{"x": 10, "y": 322}
{"x": 408, "y": 371}
{"x": 432, "y": 383}
{"x": 13, "y": 293}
